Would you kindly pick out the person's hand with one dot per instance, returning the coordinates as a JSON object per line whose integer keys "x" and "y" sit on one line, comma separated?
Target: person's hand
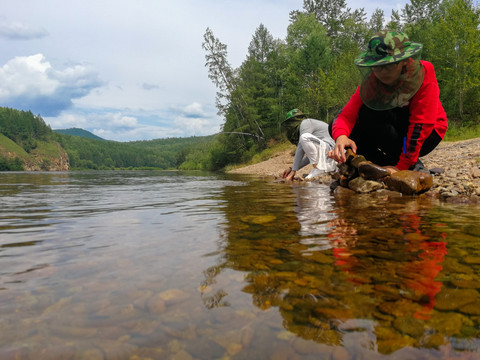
{"x": 391, "y": 169}
{"x": 338, "y": 152}
{"x": 288, "y": 174}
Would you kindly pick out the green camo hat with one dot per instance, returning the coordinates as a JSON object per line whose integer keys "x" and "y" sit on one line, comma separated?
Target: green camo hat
{"x": 291, "y": 124}
{"x": 388, "y": 47}
{"x": 293, "y": 113}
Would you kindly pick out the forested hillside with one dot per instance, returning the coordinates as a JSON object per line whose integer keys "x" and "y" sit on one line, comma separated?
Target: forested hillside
{"x": 312, "y": 68}
{"x": 85, "y": 153}
{"x": 27, "y": 143}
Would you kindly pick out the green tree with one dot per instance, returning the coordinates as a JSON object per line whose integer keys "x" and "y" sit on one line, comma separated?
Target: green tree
{"x": 456, "y": 55}
{"x": 376, "y": 21}
{"x": 395, "y": 23}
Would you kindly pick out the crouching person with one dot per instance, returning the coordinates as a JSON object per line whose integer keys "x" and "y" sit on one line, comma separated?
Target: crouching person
{"x": 313, "y": 143}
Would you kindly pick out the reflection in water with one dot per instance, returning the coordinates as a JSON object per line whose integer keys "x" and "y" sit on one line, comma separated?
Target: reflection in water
{"x": 160, "y": 265}
{"x": 359, "y": 272}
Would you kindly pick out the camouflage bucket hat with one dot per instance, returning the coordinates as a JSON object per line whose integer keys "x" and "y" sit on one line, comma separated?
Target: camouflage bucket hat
{"x": 291, "y": 124}
{"x": 388, "y": 47}
{"x": 293, "y": 113}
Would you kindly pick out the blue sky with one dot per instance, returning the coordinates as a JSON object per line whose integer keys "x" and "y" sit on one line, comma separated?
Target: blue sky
{"x": 129, "y": 69}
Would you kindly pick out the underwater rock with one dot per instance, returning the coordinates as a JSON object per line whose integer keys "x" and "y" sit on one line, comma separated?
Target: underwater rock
{"x": 409, "y": 326}
{"x": 409, "y": 182}
{"x": 454, "y": 299}
{"x": 448, "y": 324}
{"x": 156, "y": 304}
{"x": 173, "y": 296}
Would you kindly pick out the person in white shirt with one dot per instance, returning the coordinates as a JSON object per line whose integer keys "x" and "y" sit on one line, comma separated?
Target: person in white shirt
{"x": 313, "y": 144}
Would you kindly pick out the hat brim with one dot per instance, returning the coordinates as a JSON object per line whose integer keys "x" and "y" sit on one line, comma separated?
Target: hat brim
{"x": 367, "y": 60}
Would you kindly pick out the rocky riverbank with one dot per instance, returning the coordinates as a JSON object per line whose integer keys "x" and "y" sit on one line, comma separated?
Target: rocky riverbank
{"x": 460, "y": 160}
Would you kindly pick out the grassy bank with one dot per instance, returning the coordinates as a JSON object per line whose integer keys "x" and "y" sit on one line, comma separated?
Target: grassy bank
{"x": 458, "y": 133}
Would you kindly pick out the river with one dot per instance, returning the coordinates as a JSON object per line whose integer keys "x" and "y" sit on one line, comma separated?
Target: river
{"x": 191, "y": 265}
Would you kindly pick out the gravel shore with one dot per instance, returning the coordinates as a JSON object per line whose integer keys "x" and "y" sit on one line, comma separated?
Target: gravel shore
{"x": 460, "y": 160}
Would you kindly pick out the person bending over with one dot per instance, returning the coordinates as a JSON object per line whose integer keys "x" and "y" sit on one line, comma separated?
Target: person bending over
{"x": 395, "y": 116}
{"x": 313, "y": 143}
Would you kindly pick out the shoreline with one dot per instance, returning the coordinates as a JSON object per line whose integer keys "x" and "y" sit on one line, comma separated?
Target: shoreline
{"x": 460, "y": 183}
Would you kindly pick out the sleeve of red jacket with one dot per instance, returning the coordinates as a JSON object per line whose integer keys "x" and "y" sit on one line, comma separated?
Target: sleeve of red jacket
{"x": 346, "y": 119}
{"x": 424, "y": 110}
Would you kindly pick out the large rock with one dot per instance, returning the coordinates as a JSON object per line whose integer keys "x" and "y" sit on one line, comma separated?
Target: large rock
{"x": 409, "y": 182}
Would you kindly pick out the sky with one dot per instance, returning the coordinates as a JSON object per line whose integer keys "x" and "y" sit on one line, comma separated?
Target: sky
{"x": 129, "y": 70}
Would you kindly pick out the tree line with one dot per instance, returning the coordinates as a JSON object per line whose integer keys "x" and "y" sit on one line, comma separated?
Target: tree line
{"x": 92, "y": 154}
{"x": 312, "y": 68}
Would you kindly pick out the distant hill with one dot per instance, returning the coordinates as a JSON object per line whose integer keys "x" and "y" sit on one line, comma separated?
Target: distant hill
{"x": 79, "y": 132}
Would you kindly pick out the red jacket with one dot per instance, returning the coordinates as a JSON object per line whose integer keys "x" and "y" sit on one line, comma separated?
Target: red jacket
{"x": 426, "y": 114}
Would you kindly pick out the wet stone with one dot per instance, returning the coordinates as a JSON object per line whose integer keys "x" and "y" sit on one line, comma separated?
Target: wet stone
{"x": 448, "y": 324}
{"x": 357, "y": 160}
{"x": 454, "y": 299}
{"x": 156, "y": 304}
{"x": 409, "y": 182}
{"x": 472, "y": 308}
{"x": 173, "y": 296}
{"x": 360, "y": 185}
{"x": 343, "y": 191}
{"x": 371, "y": 171}
{"x": 466, "y": 283}
{"x": 472, "y": 260}
{"x": 433, "y": 341}
{"x": 398, "y": 308}
{"x": 409, "y": 326}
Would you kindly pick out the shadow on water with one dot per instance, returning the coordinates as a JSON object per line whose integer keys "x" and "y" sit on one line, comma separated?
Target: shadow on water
{"x": 171, "y": 265}
{"x": 364, "y": 277}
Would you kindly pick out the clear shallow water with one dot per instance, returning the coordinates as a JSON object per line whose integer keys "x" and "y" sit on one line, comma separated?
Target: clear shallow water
{"x": 170, "y": 265}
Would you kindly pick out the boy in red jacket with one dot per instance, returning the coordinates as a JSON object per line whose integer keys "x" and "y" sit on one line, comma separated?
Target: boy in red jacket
{"x": 395, "y": 116}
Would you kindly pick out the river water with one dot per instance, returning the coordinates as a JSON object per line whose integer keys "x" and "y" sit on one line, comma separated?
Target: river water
{"x": 172, "y": 265}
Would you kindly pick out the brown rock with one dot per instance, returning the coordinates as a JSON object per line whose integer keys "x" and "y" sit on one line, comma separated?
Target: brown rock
{"x": 476, "y": 173}
{"x": 371, "y": 171}
{"x": 343, "y": 191}
{"x": 357, "y": 160}
{"x": 360, "y": 185}
{"x": 409, "y": 182}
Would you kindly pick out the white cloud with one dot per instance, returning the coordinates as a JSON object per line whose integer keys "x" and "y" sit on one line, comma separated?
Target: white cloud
{"x": 194, "y": 109}
{"x": 21, "y": 31}
{"x": 31, "y": 83}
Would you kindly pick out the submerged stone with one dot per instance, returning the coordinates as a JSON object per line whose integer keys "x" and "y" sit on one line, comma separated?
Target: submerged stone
{"x": 409, "y": 182}
{"x": 258, "y": 219}
{"x": 409, "y": 326}
{"x": 454, "y": 299}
